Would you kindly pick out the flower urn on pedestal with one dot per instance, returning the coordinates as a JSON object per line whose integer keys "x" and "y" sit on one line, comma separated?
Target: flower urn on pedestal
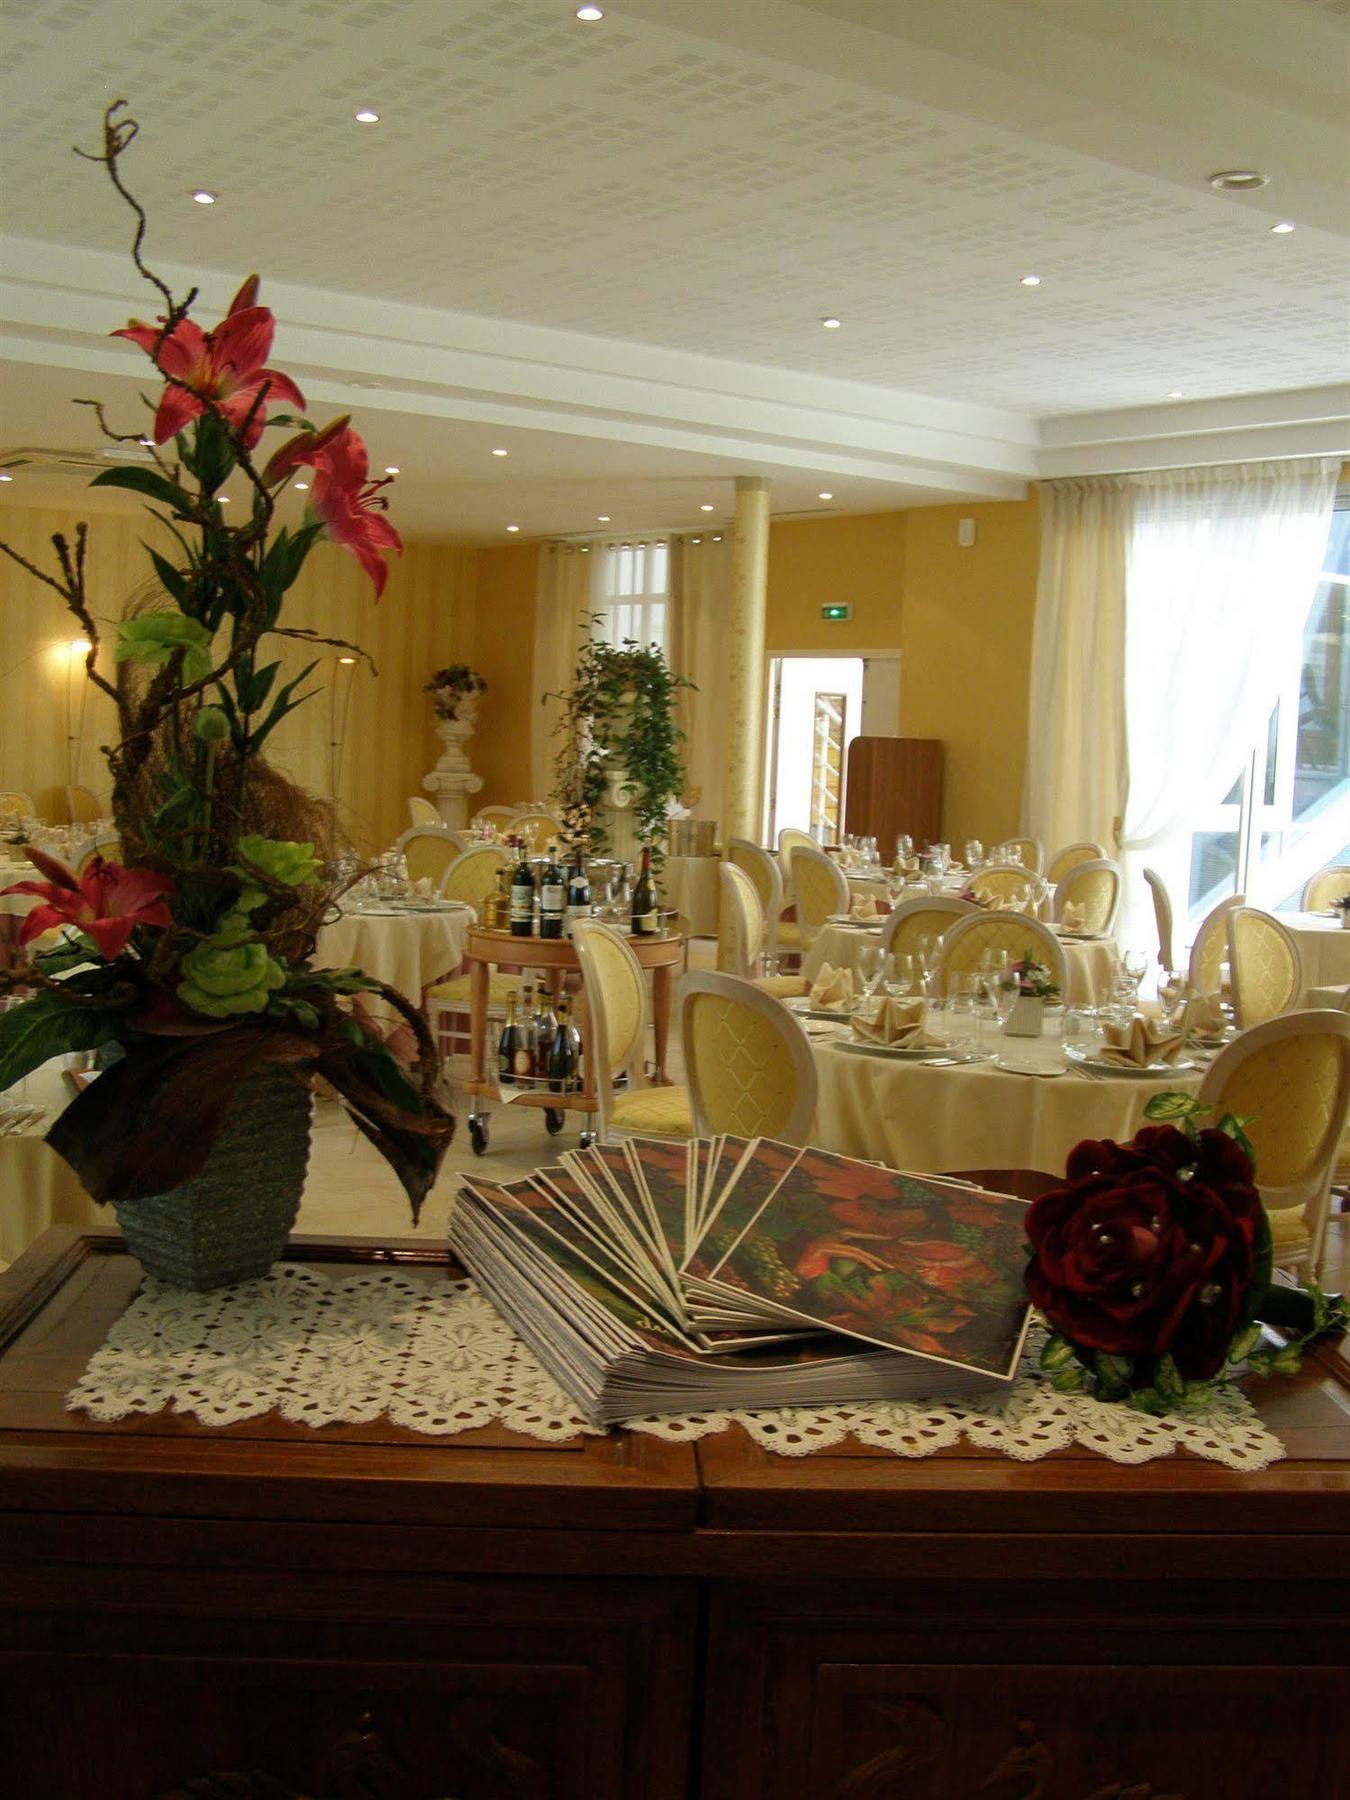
{"x": 453, "y": 781}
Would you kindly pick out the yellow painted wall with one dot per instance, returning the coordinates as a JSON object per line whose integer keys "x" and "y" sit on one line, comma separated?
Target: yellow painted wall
{"x": 426, "y": 618}
{"x": 816, "y": 562}
{"x": 503, "y": 655}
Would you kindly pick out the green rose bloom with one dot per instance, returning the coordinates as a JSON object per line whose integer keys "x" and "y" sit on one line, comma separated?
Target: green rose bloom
{"x": 211, "y": 725}
{"x": 154, "y": 637}
{"x": 290, "y": 864}
{"x": 224, "y": 976}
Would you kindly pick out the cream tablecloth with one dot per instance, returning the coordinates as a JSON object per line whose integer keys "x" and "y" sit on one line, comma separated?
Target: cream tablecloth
{"x": 975, "y": 1116}
{"x": 1323, "y": 946}
{"x": 406, "y": 950}
{"x": 691, "y": 887}
{"x": 1090, "y": 965}
{"x": 37, "y": 1187}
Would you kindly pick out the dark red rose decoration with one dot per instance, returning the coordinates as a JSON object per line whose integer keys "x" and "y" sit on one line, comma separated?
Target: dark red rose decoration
{"x": 1151, "y": 1262}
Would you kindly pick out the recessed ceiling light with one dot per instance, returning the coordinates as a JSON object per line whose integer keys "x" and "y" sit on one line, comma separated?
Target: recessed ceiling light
{"x": 6, "y": 478}
{"x": 392, "y": 469}
{"x": 831, "y": 324}
{"x": 1284, "y": 227}
{"x": 303, "y": 486}
{"x": 1237, "y": 181}
{"x": 204, "y": 197}
{"x": 148, "y": 443}
{"x": 1174, "y": 393}
{"x": 513, "y": 528}
{"x": 696, "y": 540}
{"x": 367, "y": 116}
{"x": 705, "y": 507}
{"x": 501, "y": 453}
{"x": 347, "y": 660}
{"x": 602, "y": 518}
{"x": 224, "y": 499}
{"x": 1031, "y": 281}
{"x": 825, "y": 496}
{"x": 589, "y": 14}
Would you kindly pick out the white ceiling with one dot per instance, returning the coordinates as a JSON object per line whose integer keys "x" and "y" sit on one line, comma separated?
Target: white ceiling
{"x": 617, "y": 240}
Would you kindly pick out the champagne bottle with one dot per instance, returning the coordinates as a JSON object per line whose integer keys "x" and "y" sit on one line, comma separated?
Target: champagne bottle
{"x": 578, "y": 891}
{"x": 522, "y": 896}
{"x": 646, "y": 919}
{"x": 552, "y": 896}
{"x": 545, "y": 1030}
{"x": 564, "y": 1054}
{"x": 498, "y": 908}
{"x": 508, "y": 1044}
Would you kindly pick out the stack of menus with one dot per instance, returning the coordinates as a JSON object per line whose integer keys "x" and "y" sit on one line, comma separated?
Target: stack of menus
{"x": 655, "y": 1276}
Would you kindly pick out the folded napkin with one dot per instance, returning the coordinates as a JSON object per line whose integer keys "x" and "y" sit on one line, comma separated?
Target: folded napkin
{"x": 832, "y": 989}
{"x": 1203, "y": 1016}
{"x": 862, "y": 906}
{"x": 1074, "y": 916}
{"x": 1018, "y": 903}
{"x": 1139, "y": 1043}
{"x": 898, "y": 1023}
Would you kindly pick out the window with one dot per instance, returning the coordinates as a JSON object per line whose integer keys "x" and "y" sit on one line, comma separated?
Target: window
{"x": 633, "y": 584}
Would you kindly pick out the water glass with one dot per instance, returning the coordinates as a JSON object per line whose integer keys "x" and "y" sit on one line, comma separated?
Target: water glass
{"x": 904, "y": 976}
{"x": 869, "y": 966}
{"x": 1171, "y": 994}
{"x": 1078, "y": 1028}
{"x": 904, "y": 846}
{"x": 974, "y": 853}
{"x": 963, "y": 1022}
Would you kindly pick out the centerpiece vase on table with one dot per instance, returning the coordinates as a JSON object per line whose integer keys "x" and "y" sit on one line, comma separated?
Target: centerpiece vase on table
{"x": 189, "y": 967}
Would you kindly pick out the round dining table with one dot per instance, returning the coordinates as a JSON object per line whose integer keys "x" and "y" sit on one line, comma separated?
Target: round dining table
{"x": 913, "y": 1114}
{"x": 407, "y": 948}
{"x": 1090, "y": 963}
{"x": 1323, "y": 948}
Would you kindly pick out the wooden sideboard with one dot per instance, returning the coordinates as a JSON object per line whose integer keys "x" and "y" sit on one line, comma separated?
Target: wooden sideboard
{"x": 358, "y": 1613}
{"x": 894, "y": 785}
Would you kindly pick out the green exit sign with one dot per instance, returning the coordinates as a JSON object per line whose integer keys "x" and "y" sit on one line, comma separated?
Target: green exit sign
{"x": 836, "y": 614}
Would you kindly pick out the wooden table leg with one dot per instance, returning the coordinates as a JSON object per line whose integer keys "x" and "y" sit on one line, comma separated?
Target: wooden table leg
{"x": 663, "y": 986}
{"x": 479, "y": 978}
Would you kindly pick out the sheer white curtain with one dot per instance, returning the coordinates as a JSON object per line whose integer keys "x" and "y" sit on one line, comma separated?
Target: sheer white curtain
{"x": 630, "y": 588}
{"x": 697, "y": 610}
{"x": 562, "y": 605}
{"x": 1222, "y": 567}
{"x": 1076, "y": 762}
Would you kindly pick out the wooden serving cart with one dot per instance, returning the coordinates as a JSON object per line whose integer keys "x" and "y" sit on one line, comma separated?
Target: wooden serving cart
{"x": 555, "y": 958}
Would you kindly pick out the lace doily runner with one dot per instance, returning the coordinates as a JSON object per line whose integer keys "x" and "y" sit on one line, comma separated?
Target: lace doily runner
{"x": 434, "y": 1356}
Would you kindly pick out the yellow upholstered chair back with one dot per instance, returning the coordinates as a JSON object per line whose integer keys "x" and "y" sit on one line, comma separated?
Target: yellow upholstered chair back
{"x": 749, "y": 1062}
{"x": 1209, "y": 952}
{"x": 1266, "y": 968}
{"x": 428, "y": 851}
{"x": 1030, "y": 852}
{"x": 1003, "y": 881}
{"x": 421, "y": 812}
{"x": 820, "y": 887}
{"x": 538, "y": 829}
{"x": 1095, "y": 886}
{"x": 1070, "y": 857}
{"x": 15, "y": 806}
{"x": 1162, "y": 915}
{"x": 616, "y": 1003}
{"x": 788, "y": 839}
{"x": 965, "y": 943}
{"x": 740, "y": 923}
{"x": 83, "y": 806}
{"x": 925, "y": 916}
{"x": 106, "y": 844}
{"x": 497, "y": 816}
{"x": 763, "y": 871}
{"x": 471, "y": 875}
{"x": 1325, "y": 888}
{"x": 1289, "y": 1079}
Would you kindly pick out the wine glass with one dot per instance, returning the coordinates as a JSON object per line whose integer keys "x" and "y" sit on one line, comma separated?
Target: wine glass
{"x": 1007, "y": 992}
{"x": 974, "y": 853}
{"x": 928, "y": 949}
{"x": 1171, "y": 994}
{"x": 869, "y": 965}
{"x": 904, "y": 847}
{"x": 904, "y": 975}
{"x": 963, "y": 1022}
{"x": 1133, "y": 968}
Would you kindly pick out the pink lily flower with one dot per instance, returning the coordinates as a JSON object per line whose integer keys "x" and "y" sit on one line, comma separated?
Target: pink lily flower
{"x": 350, "y": 505}
{"x": 107, "y": 902}
{"x": 224, "y": 365}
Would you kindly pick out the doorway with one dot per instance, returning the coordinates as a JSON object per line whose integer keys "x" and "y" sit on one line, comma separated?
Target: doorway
{"x": 817, "y": 706}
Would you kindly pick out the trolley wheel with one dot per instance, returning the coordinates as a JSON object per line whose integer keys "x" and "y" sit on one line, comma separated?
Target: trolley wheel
{"x": 478, "y": 1133}
{"x": 554, "y": 1119}
{"x": 586, "y": 1139}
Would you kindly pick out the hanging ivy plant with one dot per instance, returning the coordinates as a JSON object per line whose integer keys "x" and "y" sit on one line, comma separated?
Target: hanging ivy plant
{"x": 619, "y": 713}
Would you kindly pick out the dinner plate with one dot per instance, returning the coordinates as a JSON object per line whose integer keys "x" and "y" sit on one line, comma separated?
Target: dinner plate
{"x": 899, "y": 1052}
{"x": 1095, "y": 1066}
{"x": 1081, "y": 937}
{"x": 804, "y": 1010}
{"x": 1013, "y": 1066}
{"x": 852, "y": 924}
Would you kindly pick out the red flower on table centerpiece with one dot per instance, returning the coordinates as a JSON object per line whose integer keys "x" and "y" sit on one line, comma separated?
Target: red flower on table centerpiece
{"x": 106, "y": 902}
{"x": 224, "y": 365}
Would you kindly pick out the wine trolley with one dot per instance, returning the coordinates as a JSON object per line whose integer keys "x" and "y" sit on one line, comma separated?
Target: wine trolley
{"x": 555, "y": 959}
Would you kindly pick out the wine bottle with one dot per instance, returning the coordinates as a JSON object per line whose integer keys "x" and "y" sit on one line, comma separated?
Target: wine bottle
{"x": 646, "y": 919}
{"x": 522, "y": 897}
{"x": 545, "y": 1030}
{"x": 508, "y": 1044}
{"x": 578, "y": 891}
{"x": 552, "y": 896}
{"x": 527, "y": 1059}
{"x": 564, "y": 1053}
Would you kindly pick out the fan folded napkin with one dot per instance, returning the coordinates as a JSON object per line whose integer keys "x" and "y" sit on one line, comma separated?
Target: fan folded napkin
{"x": 894, "y": 1022}
{"x": 1074, "y": 916}
{"x": 832, "y": 989}
{"x": 1203, "y": 1017}
{"x": 862, "y": 906}
{"x": 1017, "y": 903}
{"x": 1136, "y": 1045}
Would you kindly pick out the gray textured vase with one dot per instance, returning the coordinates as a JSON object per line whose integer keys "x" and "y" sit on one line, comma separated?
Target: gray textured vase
{"x": 230, "y": 1221}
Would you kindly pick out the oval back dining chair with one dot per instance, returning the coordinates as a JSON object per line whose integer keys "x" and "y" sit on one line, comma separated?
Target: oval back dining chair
{"x": 1323, "y": 890}
{"x": 1030, "y": 853}
{"x": 616, "y": 1038}
{"x": 428, "y": 851}
{"x": 471, "y": 874}
{"x": 15, "y": 807}
{"x": 1095, "y": 886}
{"x": 820, "y": 887}
{"x": 965, "y": 944}
{"x": 751, "y": 1071}
{"x": 741, "y": 932}
{"x": 1289, "y": 1079}
{"x": 788, "y": 839}
{"x": 1070, "y": 857}
{"x": 106, "y": 844}
{"x": 1264, "y": 965}
{"x": 927, "y": 915}
{"x": 84, "y": 806}
{"x": 1162, "y": 917}
{"x": 762, "y": 868}
{"x": 538, "y": 829}
{"x": 499, "y": 817}
{"x": 1209, "y": 952}
{"x": 422, "y": 812}
{"x": 1004, "y": 881}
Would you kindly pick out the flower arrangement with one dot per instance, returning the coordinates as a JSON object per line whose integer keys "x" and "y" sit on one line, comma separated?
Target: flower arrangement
{"x": 1034, "y": 979}
{"x": 577, "y": 824}
{"x": 449, "y": 687}
{"x": 193, "y": 956}
{"x": 1152, "y": 1265}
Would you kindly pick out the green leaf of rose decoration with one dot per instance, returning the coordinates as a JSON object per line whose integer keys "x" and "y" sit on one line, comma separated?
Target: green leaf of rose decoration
{"x": 154, "y": 637}
{"x": 225, "y": 976}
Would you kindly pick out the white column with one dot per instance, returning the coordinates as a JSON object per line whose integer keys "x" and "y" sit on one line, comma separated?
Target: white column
{"x": 744, "y": 725}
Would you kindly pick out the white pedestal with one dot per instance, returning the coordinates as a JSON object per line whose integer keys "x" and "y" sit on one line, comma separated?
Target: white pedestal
{"x": 452, "y": 781}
